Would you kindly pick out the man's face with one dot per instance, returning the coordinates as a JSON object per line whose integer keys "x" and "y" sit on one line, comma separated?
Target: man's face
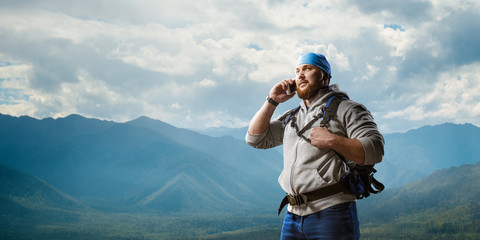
{"x": 309, "y": 80}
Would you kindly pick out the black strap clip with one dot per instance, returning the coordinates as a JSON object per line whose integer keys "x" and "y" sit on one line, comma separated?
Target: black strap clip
{"x": 297, "y": 199}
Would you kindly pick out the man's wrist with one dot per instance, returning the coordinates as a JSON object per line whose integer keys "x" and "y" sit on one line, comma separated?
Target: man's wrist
{"x": 271, "y": 101}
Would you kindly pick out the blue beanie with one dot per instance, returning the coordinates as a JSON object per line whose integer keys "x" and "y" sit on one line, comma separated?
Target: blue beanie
{"x": 315, "y": 59}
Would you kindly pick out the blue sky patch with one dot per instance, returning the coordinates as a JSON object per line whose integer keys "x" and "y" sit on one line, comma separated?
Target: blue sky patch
{"x": 394, "y": 27}
{"x": 11, "y": 96}
{"x": 254, "y": 46}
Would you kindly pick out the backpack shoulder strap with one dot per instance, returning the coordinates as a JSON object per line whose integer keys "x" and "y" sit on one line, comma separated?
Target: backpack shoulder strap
{"x": 331, "y": 108}
{"x": 288, "y": 115}
{"x": 328, "y": 112}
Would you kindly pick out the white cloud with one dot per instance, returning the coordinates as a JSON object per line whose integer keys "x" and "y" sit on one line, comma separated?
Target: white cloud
{"x": 220, "y": 118}
{"x": 453, "y": 98}
{"x": 399, "y": 40}
{"x": 207, "y": 83}
{"x": 176, "y": 106}
{"x": 14, "y": 97}
{"x": 14, "y": 75}
{"x": 208, "y": 63}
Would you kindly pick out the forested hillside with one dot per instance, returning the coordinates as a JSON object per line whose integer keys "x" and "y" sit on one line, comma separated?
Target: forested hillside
{"x": 444, "y": 205}
{"x": 79, "y": 178}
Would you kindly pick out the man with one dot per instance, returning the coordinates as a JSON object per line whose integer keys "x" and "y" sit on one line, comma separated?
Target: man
{"x": 315, "y": 160}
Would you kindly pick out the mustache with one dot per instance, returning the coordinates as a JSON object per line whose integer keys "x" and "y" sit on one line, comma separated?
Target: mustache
{"x": 300, "y": 82}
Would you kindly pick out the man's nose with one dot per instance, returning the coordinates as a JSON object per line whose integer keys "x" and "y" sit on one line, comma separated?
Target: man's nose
{"x": 300, "y": 74}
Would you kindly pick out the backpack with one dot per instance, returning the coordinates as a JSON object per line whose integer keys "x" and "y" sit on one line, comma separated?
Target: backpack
{"x": 360, "y": 180}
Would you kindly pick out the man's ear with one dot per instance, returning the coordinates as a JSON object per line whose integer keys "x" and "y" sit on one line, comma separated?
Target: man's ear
{"x": 326, "y": 77}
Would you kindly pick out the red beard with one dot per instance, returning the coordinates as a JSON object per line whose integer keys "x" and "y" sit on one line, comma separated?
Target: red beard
{"x": 310, "y": 92}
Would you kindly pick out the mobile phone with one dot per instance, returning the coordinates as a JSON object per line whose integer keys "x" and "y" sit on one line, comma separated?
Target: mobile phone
{"x": 291, "y": 88}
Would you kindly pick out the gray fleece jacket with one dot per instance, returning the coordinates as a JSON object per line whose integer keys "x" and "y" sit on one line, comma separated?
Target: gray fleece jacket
{"x": 308, "y": 168}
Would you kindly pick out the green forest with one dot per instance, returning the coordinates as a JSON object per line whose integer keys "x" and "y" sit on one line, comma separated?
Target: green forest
{"x": 462, "y": 223}
{"x": 444, "y": 205}
{"x": 124, "y": 226}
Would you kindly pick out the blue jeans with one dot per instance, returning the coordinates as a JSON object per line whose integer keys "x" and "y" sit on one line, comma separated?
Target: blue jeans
{"x": 336, "y": 222}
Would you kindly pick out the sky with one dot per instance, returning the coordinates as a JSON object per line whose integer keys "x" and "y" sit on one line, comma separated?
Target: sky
{"x": 208, "y": 63}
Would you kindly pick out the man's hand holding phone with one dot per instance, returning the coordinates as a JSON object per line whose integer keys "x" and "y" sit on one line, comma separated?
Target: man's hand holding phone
{"x": 292, "y": 87}
{"x": 283, "y": 91}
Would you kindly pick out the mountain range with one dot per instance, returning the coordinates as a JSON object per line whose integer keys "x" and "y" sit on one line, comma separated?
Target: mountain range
{"x": 52, "y": 171}
{"x": 141, "y": 164}
{"x": 419, "y": 152}
{"x": 446, "y": 189}
{"x": 149, "y": 165}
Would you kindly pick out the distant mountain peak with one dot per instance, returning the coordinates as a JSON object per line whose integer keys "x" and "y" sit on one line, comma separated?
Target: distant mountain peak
{"x": 74, "y": 115}
{"x": 147, "y": 119}
{"x": 144, "y": 118}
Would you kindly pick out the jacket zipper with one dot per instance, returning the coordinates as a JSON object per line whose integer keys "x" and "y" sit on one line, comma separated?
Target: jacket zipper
{"x": 293, "y": 167}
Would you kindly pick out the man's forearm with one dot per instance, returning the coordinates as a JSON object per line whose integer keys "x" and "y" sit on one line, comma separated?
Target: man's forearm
{"x": 261, "y": 120}
{"x": 349, "y": 148}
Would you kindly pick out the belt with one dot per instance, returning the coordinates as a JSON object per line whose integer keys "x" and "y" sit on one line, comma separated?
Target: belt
{"x": 300, "y": 199}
